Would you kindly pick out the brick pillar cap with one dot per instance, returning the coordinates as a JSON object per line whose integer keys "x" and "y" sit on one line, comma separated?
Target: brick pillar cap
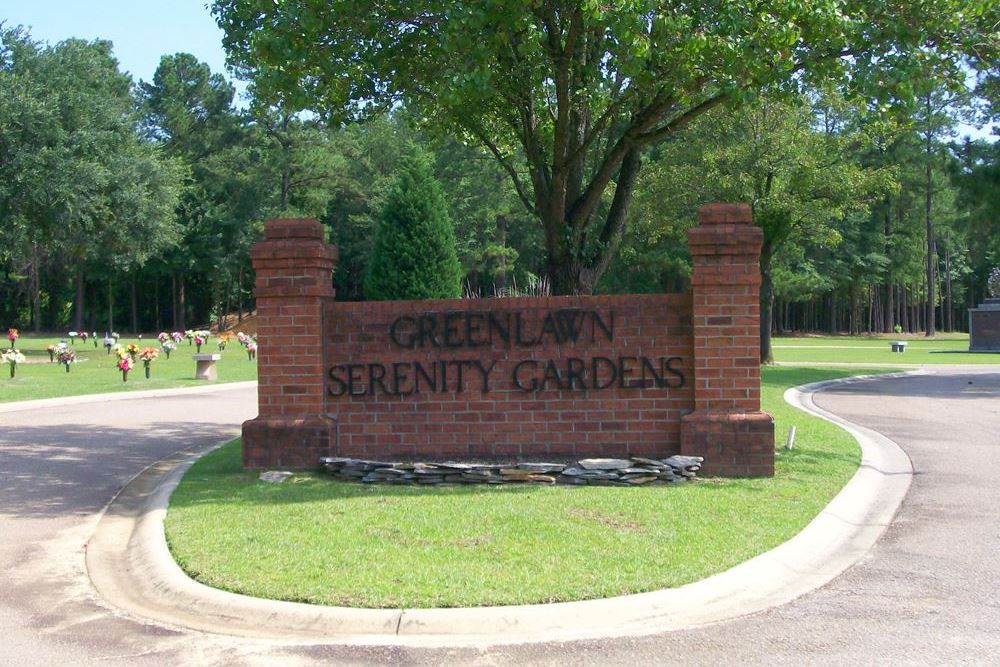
{"x": 294, "y": 228}
{"x": 725, "y": 214}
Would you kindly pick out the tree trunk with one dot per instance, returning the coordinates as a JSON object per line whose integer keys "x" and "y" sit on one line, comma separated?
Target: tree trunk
{"x": 949, "y": 321}
{"x": 78, "y": 302}
{"x": 833, "y": 312}
{"x": 931, "y": 245}
{"x": 156, "y": 303}
{"x": 179, "y": 305}
{"x": 35, "y": 285}
{"x": 904, "y": 310}
{"x": 766, "y": 306}
{"x": 134, "y": 303}
{"x": 500, "y": 280}
{"x": 173, "y": 301}
{"x": 111, "y": 314}
{"x": 239, "y": 295}
{"x": 229, "y": 294}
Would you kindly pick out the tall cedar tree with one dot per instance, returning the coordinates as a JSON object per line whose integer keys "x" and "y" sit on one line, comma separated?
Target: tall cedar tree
{"x": 414, "y": 255}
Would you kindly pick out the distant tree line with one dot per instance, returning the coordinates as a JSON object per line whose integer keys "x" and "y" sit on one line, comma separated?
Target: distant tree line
{"x": 133, "y": 205}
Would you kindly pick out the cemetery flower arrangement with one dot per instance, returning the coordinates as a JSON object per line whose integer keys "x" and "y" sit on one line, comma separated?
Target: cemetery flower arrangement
{"x": 55, "y": 350}
{"x": 13, "y": 358}
{"x": 242, "y": 337}
{"x": 994, "y": 282}
{"x": 198, "y": 341}
{"x": 12, "y": 335}
{"x": 163, "y": 337}
{"x": 72, "y": 336}
{"x": 251, "y": 349}
{"x": 132, "y": 350}
{"x": 115, "y": 335}
{"x": 177, "y": 336}
{"x": 168, "y": 347}
{"x": 148, "y": 355}
{"x": 125, "y": 364}
{"x": 83, "y": 336}
{"x": 67, "y": 357}
{"x": 223, "y": 341}
{"x": 189, "y": 334}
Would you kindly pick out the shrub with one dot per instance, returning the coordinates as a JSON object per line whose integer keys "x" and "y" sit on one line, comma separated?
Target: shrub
{"x": 414, "y": 254}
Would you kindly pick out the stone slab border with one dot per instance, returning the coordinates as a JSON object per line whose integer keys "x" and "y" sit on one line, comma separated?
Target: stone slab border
{"x": 130, "y": 565}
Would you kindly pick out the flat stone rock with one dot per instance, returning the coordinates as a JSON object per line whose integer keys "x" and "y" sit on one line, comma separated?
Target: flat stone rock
{"x": 335, "y": 461}
{"x": 648, "y": 462}
{"x": 274, "y": 476}
{"x": 639, "y": 479}
{"x": 604, "y": 464}
{"x": 684, "y": 462}
{"x": 451, "y": 465}
{"x": 542, "y": 467}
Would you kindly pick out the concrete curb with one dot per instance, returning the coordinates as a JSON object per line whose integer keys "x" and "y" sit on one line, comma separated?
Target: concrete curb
{"x": 130, "y": 565}
{"x": 18, "y": 406}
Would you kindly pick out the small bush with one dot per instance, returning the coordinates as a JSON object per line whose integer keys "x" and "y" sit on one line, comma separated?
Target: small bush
{"x": 414, "y": 255}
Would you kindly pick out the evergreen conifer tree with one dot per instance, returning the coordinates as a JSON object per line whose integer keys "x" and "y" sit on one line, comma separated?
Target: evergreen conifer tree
{"x": 414, "y": 254}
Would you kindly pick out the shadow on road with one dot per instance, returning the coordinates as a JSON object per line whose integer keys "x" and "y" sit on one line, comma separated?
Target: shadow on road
{"x": 75, "y": 469}
{"x": 983, "y": 384}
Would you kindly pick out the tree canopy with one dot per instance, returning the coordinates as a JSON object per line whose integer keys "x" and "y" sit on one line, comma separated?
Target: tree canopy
{"x": 567, "y": 95}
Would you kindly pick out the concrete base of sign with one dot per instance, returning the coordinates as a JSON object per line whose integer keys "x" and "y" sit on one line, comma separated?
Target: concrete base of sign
{"x": 206, "y": 366}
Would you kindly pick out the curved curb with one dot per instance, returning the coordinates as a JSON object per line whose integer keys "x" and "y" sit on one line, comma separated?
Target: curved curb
{"x": 18, "y": 406}
{"x": 130, "y": 565}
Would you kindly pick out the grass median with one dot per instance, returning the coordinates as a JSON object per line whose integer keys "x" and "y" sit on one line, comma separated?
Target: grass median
{"x": 94, "y": 371}
{"x": 314, "y": 540}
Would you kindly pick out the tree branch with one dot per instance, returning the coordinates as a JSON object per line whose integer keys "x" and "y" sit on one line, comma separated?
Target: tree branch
{"x": 508, "y": 167}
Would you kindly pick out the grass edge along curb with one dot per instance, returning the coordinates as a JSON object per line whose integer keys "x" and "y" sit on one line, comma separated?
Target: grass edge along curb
{"x": 317, "y": 541}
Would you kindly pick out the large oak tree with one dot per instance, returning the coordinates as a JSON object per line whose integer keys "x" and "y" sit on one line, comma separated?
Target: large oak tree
{"x": 567, "y": 95}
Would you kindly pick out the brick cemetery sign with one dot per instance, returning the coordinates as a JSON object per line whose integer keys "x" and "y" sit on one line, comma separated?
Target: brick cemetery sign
{"x": 530, "y": 378}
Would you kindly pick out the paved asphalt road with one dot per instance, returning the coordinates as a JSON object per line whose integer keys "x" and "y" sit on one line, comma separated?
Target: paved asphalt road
{"x": 929, "y": 593}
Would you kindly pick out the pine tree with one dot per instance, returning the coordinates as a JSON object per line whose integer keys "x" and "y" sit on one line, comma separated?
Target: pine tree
{"x": 414, "y": 254}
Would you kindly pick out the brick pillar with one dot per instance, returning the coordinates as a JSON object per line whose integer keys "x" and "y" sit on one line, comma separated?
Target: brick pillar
{"x": 294, "y": 268}
{"x": 727, "y": 426}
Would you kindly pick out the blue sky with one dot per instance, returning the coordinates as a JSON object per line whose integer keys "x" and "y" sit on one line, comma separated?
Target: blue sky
{"x": 141, "y": 30}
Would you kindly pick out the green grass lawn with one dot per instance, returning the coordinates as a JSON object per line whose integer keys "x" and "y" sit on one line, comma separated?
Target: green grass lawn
{"x": 315, "y": 540}
{"x": 944, "y": 349}
{"x": 95, "y": 370}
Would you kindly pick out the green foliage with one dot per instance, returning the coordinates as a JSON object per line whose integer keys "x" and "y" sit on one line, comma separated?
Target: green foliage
{"x": 80, "y": 188}
{"x": 567, "y": 96}
{"x": 414, "y": 251}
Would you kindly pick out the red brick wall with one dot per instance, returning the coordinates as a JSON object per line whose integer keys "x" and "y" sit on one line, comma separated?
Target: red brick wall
{"x": 293, "y": 265}
{"x": 727, "y": 427}
{"x": 313, "y": 348}
{"x": 507, "y": 421}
